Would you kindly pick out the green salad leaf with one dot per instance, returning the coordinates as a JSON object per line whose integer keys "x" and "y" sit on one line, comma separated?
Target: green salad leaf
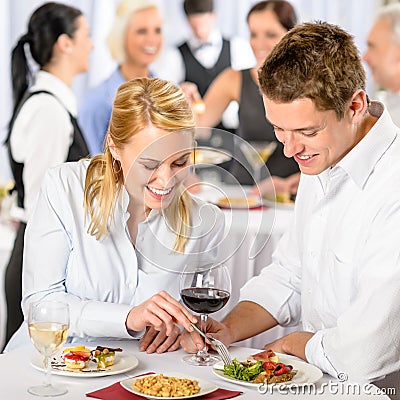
{"x": 243, "y": 371}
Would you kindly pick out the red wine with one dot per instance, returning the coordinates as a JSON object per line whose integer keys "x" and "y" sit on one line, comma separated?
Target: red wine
{"x": 204, "y": 300}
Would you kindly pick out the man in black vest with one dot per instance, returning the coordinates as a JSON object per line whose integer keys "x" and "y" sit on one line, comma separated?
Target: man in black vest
{"x": 206, "y": 53}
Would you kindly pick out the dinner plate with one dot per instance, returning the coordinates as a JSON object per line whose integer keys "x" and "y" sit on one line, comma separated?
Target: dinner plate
{"x": 306, "y": 373}
{"x": 242, "y": 203}
{"x": 123, "y": 362}
{"x": 205, "y": 387}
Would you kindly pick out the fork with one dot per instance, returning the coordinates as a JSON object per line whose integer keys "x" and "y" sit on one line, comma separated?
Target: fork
{"x": 217, "y": 344}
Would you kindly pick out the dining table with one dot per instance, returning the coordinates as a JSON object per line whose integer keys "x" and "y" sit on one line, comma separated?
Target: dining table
{"x": 17, "y": 374}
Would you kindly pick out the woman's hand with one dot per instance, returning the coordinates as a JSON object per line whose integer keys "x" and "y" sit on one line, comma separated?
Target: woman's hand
{"x": 157, "y": 341}
{"x": 162, "y": 312}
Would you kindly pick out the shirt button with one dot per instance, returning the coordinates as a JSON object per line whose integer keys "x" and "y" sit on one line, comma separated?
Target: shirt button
{"x": 131, "y": 286}
{"x": 313, "y": 254}
{"x": 308, "y": 328}
{"x": 141, "y": 238}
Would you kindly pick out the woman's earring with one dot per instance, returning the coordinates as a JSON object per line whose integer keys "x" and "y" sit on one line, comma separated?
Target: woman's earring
{"x": 115, "y": 161}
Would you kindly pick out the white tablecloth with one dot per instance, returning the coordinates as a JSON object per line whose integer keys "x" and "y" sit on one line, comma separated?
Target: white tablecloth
{"x": 252, "y": 236}
{"x": 17, "y": 375}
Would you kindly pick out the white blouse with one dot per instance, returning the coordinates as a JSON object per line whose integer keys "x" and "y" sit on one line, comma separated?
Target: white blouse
{"x": 103, "y": 279}
{"x": 42, "y": 134}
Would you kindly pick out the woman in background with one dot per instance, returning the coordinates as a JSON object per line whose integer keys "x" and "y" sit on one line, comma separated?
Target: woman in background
{"x": 43, "y": 131}
{"x": 134, "y": 42}
{"x": 268, "y": 22}
{"x": 113, "y": 259}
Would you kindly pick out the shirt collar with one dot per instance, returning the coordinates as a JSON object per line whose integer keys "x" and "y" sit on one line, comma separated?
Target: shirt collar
{"x": 214, "y": 40}
{"x": 360, "y": 162}
{"x": 123, "y": 202}
{"x": 49, "y": 82}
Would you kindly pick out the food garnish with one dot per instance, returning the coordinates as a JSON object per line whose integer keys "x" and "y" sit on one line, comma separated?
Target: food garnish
{"x": 263, "y": 367}
{"x": 76, "y": 357}
{"x": 104, "y": 356}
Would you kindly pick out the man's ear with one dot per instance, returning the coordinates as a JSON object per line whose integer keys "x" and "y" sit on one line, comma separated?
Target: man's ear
{"x": 358, "y": 105}
{"x": 112, "y": 147}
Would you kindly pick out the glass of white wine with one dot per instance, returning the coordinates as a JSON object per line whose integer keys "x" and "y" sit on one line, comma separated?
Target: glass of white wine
{"x": 257, "y": 154}
{"x": 48, "y": 323}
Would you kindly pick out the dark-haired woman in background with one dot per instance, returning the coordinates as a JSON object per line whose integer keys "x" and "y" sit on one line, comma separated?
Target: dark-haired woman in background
{"x": 43, "y": 131}
{"x": 268, "y": 22}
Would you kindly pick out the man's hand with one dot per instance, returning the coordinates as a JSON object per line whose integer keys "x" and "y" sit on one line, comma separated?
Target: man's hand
{"x": 192, "y": 342}
{"x": 294, "y": 344}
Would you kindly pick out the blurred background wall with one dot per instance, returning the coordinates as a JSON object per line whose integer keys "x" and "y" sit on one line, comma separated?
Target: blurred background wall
{"x": 355, "y": 16}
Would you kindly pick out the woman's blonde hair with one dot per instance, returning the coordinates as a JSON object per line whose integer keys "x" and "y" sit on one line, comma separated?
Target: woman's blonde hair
{"x": 138, "y": 104}
{"x": 123, "y": 14}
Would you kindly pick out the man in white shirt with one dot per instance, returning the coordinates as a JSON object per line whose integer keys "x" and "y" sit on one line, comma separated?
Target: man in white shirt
{"x": 383, "y": 57}
{"x": 337, "y": 269}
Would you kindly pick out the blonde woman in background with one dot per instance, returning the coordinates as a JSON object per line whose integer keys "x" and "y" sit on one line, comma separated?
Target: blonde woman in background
{"x": 134, "y": 42}
{"x": 114, "y": 260}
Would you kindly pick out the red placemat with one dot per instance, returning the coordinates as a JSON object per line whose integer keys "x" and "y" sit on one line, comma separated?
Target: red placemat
{"x": 117, "y": 392}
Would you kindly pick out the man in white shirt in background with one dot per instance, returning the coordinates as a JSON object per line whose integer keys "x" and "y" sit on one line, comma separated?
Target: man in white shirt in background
{"x": 337, "y": 268}
{"x": 205, "y": 54}
{"x": 383, "y": 57}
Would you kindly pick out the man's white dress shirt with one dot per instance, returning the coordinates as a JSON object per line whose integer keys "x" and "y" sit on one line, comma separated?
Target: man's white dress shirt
{"x": 169, "y": 65}
{"x": 337, "y": 269}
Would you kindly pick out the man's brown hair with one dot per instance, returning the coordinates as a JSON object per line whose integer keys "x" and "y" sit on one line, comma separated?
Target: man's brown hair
{"x": 318, "y": 61}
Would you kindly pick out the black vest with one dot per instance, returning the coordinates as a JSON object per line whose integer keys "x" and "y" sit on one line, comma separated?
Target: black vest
{"x": 77, "y": 150}
{"x": 200, "y": 75}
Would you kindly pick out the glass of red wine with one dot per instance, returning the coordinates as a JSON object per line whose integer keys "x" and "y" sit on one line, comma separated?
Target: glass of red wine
{"x": 204, "y": 289}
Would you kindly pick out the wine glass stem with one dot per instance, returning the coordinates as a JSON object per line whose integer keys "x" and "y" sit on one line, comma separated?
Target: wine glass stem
{"x": 47, "y": 379}
{"x": 203, "y": 327}
{"x": 202, "y": 355}
{"x": 257, "y": 173}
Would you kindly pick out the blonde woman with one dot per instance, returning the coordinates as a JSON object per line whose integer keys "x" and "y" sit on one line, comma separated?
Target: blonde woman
{"x": 110, "y": 236}
{"x": 134, "y": 42}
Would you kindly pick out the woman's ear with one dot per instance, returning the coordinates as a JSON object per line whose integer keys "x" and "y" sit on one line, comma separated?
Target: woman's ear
{"x": 358, "y": 106}
{"x": 112, "y": 147}
{"x": 64, "y": 43}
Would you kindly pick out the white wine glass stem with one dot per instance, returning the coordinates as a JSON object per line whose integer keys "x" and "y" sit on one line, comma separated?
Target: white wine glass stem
{"x": 47, "y": 377}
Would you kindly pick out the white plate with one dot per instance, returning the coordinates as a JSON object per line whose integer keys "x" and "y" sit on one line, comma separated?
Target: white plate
{"x": 278, "y": 205}
{"x": 205, "y": 387}
{"x": 306, "y": 373}
{"x": 123, "y": 362}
